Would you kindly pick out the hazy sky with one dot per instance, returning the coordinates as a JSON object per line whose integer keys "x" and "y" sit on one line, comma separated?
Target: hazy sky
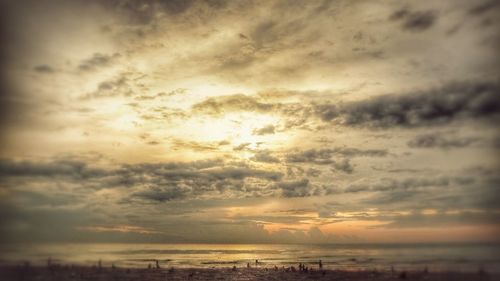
{"x": 249, "y": 121}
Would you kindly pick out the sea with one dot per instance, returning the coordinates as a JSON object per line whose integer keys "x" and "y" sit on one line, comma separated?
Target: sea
{"x": 431, "y": 257}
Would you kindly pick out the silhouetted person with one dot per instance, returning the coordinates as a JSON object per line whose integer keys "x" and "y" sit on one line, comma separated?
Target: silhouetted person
{"x": 157, "y": 264}
{"x": 482, "y": 273}
{"x": 248, "y": 265}
{"x": 320, "y": 264}
{"x": 256, "y": 262}
{"x": 234, "y": 267}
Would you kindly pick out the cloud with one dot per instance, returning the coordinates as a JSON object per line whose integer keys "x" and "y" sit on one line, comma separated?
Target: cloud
{"x": 97, "y": 60}
{"x": 324, "y": 156}
{"x": 266, "y": 130}
{"x": 60, "y": 168}
{"x": 394, "y": 190}
{"x": 343, "y": 166}
{"x": 321, "y": 156}
{"x": 44, "y": 68}
{"x": 423, "y": 108}
{"x": 440, "y": 141}
{"x": 414, "y": 21}
{"x": 193, "y": 145}
{"x": 147, "y": 12}
{"x": 231, "y": 103}
{"x": 241, "y": 173}
{"x": 484, "y": 7}
{"x": 155, "y": 182}
{"x": 162, "y": 194}
{"x": 298, "y": 188}
{"x": 451, "y": 102}
{"x": 119, "y": 228}
{"x": 419, "y": 220}
{"x": 118, "y": 85}
{"x": 311, "y": 172}
{"x": 242, "y": 146}
{"x": 264, "y": 156}
{"x": 442, "y": 193}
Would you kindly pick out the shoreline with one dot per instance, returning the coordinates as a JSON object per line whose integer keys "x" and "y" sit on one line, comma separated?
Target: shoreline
{"x": 74, "y": 273}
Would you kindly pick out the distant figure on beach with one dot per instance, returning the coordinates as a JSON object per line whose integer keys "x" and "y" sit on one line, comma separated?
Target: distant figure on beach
{"x": 248, "y": 265}
{"x": 157, "y": 264}
{"x": 256, "y": 262}
{"x": 320, "y": 264}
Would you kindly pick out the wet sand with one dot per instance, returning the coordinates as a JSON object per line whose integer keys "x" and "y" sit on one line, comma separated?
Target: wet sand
{"x": 72, "y": 273}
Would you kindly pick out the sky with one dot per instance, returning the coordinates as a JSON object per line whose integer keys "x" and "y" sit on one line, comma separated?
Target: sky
{"x": 249, "y": 121}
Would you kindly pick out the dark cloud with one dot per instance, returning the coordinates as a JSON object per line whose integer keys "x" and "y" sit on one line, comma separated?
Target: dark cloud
{"x": 242, "y": 146}
{"x": 388, "y": 185}
{"x": 241, "y": 173}
{"x": 97, "y": 60}
{"x": 321, "y": 157}
{"x": 162, "y": 194}
{"x": 193, "y": 145}
{"x": 436, "y": 106}
{"x": 295, "y": 188}
{"x": 146, "y": 12}
{"x": 44, "y": 68}
{"x": 414, "y": 21}
{"x": 60, "y": 168}
{"x": 156, "y": 181}
{"x": 451, "y": 102}
{"x": 324, "y": 156}
{"x": 238, "y": 102}
{"x": 440, "y": 193}
{"x": 265, "y": 156}
{"x": 115, "y": 86}
{"x": 311, "y": 172}
{"x": 440, "y": 141}
{"x": 484, "y": 7}
{"x": 417, "y": 220}
{"x": 343, "y": 166}
{"x": 266, "y": 130}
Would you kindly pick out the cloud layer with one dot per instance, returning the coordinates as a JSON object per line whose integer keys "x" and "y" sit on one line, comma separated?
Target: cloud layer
{"x": 249, "y": 122}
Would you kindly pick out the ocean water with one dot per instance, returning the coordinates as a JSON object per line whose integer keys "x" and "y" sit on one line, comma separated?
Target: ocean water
{"x": 434, "y": 257}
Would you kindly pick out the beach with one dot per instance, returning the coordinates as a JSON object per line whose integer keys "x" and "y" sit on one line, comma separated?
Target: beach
{"x": 74, "y": 273}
